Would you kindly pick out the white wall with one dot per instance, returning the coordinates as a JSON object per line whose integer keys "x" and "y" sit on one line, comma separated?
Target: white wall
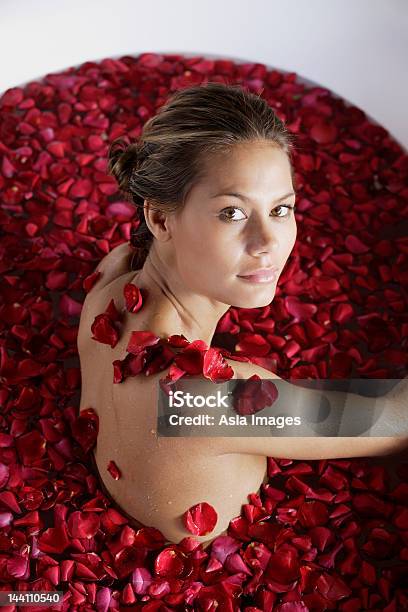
{"x": 356, "y": 48}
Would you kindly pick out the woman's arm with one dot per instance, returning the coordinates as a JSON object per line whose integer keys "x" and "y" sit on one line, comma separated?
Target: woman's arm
{"x": 308, "y": 449}
{"x": 391, "y": 411}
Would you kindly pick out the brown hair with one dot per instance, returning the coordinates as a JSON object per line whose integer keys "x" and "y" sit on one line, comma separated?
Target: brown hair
{"x": 166, "y": 161}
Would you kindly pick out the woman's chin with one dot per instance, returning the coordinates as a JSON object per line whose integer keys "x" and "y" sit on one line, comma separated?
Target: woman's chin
{"x": 254, "y": 300}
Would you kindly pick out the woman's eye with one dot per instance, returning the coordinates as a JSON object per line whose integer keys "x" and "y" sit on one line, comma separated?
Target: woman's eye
{"x": 225, "y": 214}
{"x": 228, "y": 214}
{"x": 288, "y": 209}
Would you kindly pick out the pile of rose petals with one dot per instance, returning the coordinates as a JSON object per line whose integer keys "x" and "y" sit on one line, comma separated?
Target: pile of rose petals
{"x": 321, "y": 535}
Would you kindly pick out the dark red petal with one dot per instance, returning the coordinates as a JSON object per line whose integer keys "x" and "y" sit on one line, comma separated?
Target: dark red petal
{"x": 178, "y": 341}
{"x": 139, "y": 340}
{"x": 253, "y": 395}
{"x": 313, "y": 513}
{"x": 135, "y": 364}
{"x": 83, "y": 524}
{"x": 158, "y": 360}
{"x": 215, "y": 367}
{"x": 133, "y": 297}
{"x": 230, "y": 355}
{"x": 200, "y": 519}
{"x": 31, "y": 447}
{"x": 252, "y": 344}
{"x": 355, "y": 245}
{"x": 197, "y": 345}
{"x": 324, "y": 132}
{"x": 90, "y": 280}
{"x": 85, "y": 429}
{"x": 332, "y": 587}
{"x": 54, "y": 540}
{"x": 104, "y": 331}
{"x": 112, "y": 312}
{"x": 190, "y": 360}
{"x": 283, "y": 568}
{"x": 118, "y": 371}
{"x": 114, "y": 470}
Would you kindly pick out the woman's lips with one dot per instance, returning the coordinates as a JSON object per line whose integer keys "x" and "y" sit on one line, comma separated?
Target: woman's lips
{"x": 267, "y": 276}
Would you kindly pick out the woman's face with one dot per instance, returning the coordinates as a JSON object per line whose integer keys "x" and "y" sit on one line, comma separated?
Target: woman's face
{"x": 216, "y": 239}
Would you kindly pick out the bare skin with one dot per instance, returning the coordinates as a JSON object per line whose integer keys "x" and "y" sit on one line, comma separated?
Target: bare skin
{"x": 161, "y": 477}
{"x": 191, "y": 278}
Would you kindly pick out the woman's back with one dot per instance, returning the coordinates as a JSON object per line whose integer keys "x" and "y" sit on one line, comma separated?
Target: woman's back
{"x": 161, "y": 477}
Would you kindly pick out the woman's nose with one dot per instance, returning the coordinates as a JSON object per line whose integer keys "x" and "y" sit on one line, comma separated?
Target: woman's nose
{"x": 263, "y": 239}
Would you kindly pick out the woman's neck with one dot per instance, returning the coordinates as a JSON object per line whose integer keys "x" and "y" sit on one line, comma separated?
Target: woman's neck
{"x": 173, "y": 306}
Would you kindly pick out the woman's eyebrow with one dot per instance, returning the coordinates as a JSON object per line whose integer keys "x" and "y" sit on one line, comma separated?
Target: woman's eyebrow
{"x": 245, "y": 198}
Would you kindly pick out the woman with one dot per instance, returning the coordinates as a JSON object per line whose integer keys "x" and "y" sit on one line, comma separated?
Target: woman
{"x": 214, "y": 177}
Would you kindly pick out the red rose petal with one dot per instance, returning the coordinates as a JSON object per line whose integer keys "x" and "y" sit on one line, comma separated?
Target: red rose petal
{"x": 31, "y": 447}
{"x": 401, "y": 518}
{"x": 83, "y": 524}
{"x": 54, "y": 540}
{"x": 139, "y": 340}
{"x": 313, "y": 513}
{"x": 133, "y": 297}
{"x": 141, "y": 580}
{"x": 70, "y": 307}
{"x": 191, "y": 359}
{"x": 299, "y": 310}
{"x": 252, "y": 344}
{"x": 324, "y": 132}
{"x": 104, "y": 331}
{"x": 227, "y": 353}
{"x": 85, "y": 429}
{"x": 253, "y": 395}
{"x": 118, "y": 371}
{"x": 114, "y": 470}
{"x": 81, "y": 188}
{"x": 170, "y": 563}
{"x": 355, "y": 245}
{"x": 120, "y": 210}
{"x": 332, "y": 587}
{"x": 215, "y": 367}
{"x": 223, "y": 546}
{"x": 112, "y": 312}
{"x": 282, "y": 570}
{"x": 159, "y": 360}
{"x": 200, "y": 519}
{"x": 178, "y": 341}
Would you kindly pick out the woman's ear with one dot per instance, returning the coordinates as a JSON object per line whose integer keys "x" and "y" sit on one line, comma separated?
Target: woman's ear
{"x": 156, "y": 221}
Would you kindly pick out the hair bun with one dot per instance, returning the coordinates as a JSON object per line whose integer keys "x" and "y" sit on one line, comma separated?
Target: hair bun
{"x": 123, "y": 159}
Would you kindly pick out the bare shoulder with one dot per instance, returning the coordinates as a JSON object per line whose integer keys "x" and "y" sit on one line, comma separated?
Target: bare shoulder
{"x": 114, "y": 271}
{"x": 113, "y": 265}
